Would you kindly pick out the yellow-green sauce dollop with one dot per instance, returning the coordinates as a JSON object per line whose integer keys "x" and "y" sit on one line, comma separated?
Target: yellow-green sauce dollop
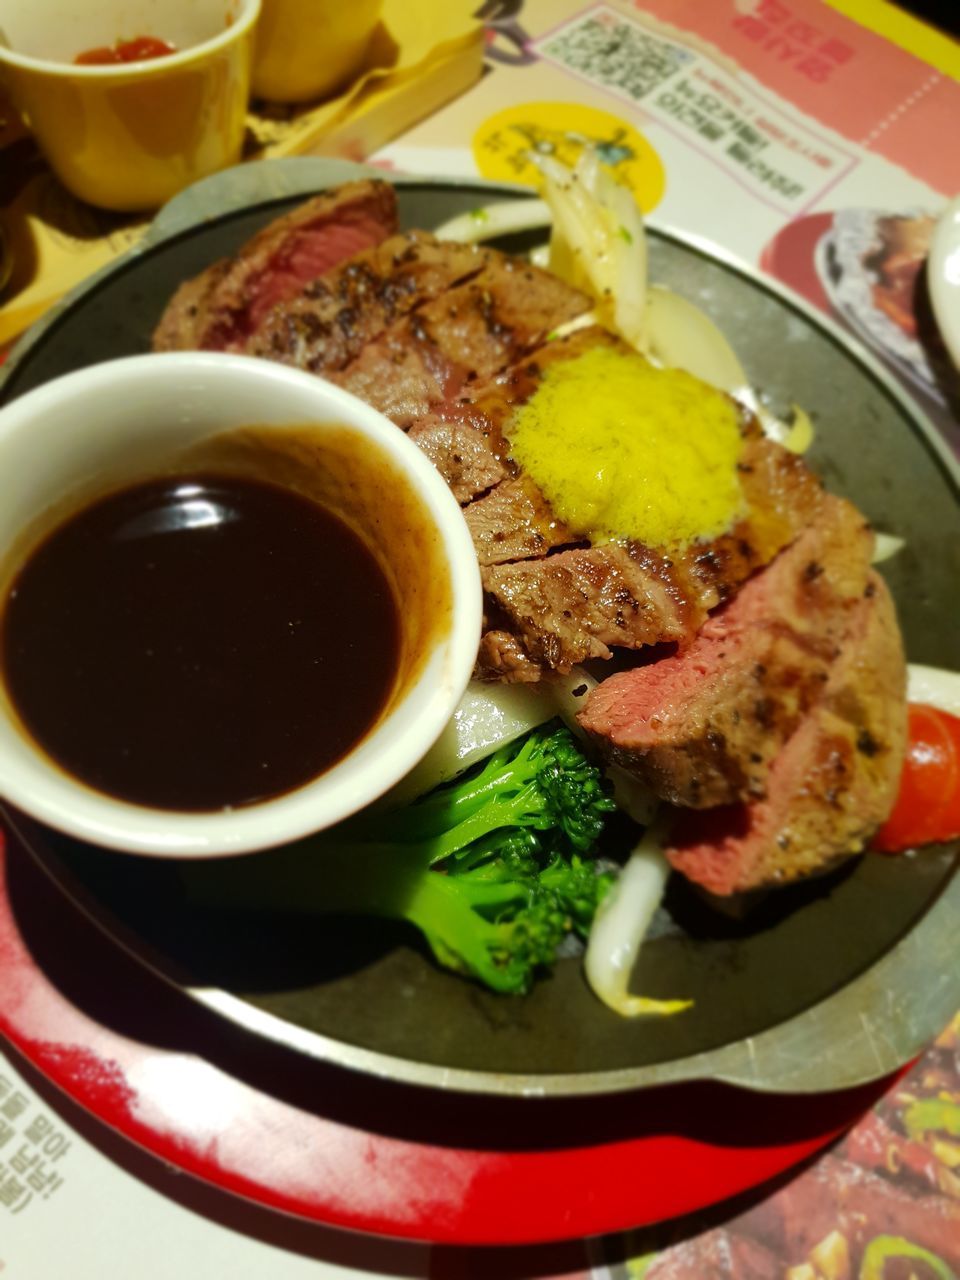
{"x": 622, "y": 449}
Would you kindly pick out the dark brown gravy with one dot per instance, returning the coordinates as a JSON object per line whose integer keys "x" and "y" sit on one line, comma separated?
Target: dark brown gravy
{"x": 200, "y": 641}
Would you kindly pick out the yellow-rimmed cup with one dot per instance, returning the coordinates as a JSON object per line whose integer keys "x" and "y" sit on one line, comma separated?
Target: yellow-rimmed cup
{"x": 128, "y": 136}
{"x": 309, "y": 49}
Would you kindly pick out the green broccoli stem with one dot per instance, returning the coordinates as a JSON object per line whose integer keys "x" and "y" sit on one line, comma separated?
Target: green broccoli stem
{"x": 545, "y": 783}
{"x": 512, "y": 882}
{"x": 457, "y": 915}
{"x": 444, "y": 810}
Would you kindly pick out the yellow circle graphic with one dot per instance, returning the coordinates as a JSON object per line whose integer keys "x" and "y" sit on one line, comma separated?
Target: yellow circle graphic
{"x": 504, "y": 143}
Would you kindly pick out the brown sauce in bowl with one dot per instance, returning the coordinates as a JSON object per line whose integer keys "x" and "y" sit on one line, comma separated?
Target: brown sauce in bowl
{"x": 200, "y": 641}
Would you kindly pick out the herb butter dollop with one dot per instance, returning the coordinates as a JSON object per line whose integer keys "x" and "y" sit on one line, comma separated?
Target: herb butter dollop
{"x": 622, "y": 449}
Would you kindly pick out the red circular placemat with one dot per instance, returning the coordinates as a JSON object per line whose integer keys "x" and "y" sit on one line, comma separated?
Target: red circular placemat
{"x": 259, "y": 1120}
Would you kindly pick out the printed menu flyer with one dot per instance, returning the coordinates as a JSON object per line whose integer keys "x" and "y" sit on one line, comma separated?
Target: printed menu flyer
{"x": 782, "y": 131}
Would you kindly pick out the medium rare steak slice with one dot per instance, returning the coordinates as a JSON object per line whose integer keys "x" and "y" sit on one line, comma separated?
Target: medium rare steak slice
{"x": 467, "y": 335}
{"x": 832, "y": 784}
{"x": 701, "y": 727}
{"x": 327, "y": 324}
{"x": 219, "y": 310}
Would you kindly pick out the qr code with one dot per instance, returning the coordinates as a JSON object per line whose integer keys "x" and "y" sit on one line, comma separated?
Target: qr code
{"x": 616, "y": 53}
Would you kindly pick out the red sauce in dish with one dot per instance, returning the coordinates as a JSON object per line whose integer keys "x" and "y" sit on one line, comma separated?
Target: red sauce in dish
{"x": 139, "y": 49}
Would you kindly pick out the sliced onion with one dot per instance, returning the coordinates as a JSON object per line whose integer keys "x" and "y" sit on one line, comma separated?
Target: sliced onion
{"x": 682, "y": 336}
{"x": 493, "y": 220}
{"x": 620, "y": 926}
{"x": 598, "y": 241}
{"x": 488, "y": 717}
{"x": 885, "y": 546}
{"x": 800, "y": 431}
{"x": 583, "y": 321}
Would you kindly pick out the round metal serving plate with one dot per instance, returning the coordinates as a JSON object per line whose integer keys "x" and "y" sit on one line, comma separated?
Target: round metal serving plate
{"x": 831, "y": 984}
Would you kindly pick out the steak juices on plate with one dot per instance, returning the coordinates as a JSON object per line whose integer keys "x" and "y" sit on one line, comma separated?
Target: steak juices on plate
{"x": 767, "y": 698}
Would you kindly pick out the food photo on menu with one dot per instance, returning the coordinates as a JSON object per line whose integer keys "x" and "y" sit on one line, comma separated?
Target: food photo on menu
{"x": 866, "y": 267}
{"x": 479, "y": 638}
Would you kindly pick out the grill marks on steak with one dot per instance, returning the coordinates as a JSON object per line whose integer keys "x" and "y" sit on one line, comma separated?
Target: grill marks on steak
{"x": 332, "y": 320}
{"x": 833, "y": 783}
{"x": 466, "y": 335}
{"x": 702, "y": 727}
{"x": 220, "y": 309}
{"x": 576, "y": 605}
{"x": 781, "y": 729}
{"x": 514, "y": 522}
{"x": 461, "y": 452}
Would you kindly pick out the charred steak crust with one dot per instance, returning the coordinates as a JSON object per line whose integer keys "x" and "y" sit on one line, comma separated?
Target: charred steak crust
{"x": 333, "y": 318}
{"x": 541, "y": 583}
{"x": 468, "y": 334}
{"x": 220, "y": 309}
{"x": 833, "y": 783}
{"x": 462, "y": 453}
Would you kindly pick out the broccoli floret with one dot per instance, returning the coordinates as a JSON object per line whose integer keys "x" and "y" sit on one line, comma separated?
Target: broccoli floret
{"x": 544, "y": 783}
{"x": 488, "y": 868}
{"x": 500, "y": 926}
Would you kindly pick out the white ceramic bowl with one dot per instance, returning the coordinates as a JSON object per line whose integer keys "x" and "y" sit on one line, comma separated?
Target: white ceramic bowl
{"x": 87, "y": 432}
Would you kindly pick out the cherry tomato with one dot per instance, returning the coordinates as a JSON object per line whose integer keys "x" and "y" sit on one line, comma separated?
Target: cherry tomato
{"x": 927, "y": 810}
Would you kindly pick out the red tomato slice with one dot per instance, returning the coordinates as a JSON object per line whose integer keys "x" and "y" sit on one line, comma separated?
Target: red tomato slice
{"x": 927, "y": 810}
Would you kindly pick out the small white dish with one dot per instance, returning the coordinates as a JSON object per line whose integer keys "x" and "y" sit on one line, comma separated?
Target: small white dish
{"x": 943, "y": 277}
{"x": 89, "y": 432}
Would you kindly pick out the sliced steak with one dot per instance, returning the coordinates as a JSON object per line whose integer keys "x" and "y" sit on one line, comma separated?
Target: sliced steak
{"x": 502, "y": 656}
{"x": 832, "y": 784}
{"x": 462, "y": 454}
{"x": 574, "y": 605}
{"x": 577, "y": 604}
{"x": 328, "y": 324}
{"x": 541, "y": 602}
{"x": 219, "y": 310}
{"x": 187, "y": 316}
{"x": 467, "y": 334}
{"x": 514, "y": 522}
{"x": 781, "y": 496}
{"x": 701, "y": 727}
